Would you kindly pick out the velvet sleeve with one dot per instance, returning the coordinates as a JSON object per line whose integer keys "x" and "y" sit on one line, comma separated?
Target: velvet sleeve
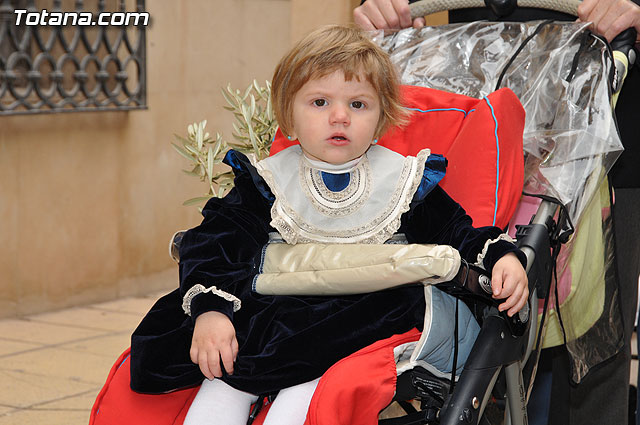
{"x": 439, "y": 219}
{"x": 220, "y": 253}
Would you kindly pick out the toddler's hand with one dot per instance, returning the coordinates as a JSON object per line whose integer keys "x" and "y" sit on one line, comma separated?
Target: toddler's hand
{"x": 214, "y": 338}
{"x": 509, "y": 280}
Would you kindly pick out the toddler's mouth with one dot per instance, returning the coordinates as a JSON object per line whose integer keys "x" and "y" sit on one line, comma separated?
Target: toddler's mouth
{"x": 338, "y": 138}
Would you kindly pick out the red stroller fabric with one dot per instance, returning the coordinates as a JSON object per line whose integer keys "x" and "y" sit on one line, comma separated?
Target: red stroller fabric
{"x": 358, "y": 387}
{"x": 117, "y": 404}
{"x": 482, "y": 141}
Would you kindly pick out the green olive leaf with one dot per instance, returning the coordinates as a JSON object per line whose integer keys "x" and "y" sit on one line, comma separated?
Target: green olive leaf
{"x": 182, "y": 152}
{"x": 197, "y": 200}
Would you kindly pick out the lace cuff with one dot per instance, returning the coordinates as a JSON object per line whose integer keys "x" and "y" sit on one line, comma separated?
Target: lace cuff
{"x": 199, "y": 289}
{"x": 502, "y": 237}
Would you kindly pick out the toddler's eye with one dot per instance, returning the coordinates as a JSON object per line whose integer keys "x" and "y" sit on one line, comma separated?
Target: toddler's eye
{"x": 319, "y": 102}
{"x": 356, "y": 104}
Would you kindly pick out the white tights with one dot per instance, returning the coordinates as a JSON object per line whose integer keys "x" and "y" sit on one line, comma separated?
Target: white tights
{"x": 219, "y": 403}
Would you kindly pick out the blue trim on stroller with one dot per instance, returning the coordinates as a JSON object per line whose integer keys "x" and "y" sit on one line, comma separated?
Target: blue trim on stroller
{"x": 442, "y": 110}
{"x": 125, "y": 359}
{"x": 493, "y": 114}
{"x": 466, "y": 113}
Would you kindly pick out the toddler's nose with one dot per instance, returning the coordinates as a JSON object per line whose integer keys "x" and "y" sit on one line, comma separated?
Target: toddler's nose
{"x": 339, "y": 115}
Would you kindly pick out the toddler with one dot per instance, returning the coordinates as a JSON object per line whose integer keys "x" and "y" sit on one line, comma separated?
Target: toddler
{"x": 334, "y": 93}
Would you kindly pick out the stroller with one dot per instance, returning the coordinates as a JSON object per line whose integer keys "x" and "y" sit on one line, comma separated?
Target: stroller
{"x": 569, "y": 146}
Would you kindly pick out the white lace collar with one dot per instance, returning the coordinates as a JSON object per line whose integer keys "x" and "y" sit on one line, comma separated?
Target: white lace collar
{"x": 368, "y": 210}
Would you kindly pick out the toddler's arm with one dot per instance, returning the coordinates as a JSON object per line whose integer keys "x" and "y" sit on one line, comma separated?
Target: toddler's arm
{"x": 214, "y": 339}
{"x": 509, "y": 280}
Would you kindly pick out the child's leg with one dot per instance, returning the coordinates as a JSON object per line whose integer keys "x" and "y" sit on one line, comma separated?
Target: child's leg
{"x": 219, "y": 403}
{"x": 291, "y": 405}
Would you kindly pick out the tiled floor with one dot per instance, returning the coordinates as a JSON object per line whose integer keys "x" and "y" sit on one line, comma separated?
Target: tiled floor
{"x": 53, "y": 365}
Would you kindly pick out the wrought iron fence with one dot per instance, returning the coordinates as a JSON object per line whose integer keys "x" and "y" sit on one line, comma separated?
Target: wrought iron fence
{"x": 63, "y": 65}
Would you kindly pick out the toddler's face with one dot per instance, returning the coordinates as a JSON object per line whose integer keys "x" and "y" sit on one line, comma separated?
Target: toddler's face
{"x": 335, "y": 120}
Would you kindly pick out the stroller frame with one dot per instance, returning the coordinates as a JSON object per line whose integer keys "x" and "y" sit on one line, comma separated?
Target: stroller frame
{"x": 498, "y": 348}
{"x": 504, "y": 345}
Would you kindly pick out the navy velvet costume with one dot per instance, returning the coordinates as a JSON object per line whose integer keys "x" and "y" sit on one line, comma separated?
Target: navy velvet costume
{"x": 287, "y": 340}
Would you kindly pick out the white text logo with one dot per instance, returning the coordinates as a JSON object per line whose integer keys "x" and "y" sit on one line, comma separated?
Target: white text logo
{"x": 45, "y": 18}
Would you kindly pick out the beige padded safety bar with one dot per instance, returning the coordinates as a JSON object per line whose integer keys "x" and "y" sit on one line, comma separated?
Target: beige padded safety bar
{"x": 427, "y": 7}
{"x": 332, "y": 269}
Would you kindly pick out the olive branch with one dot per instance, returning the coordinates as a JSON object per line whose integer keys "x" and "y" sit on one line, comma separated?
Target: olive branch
{"x": 254, "y": 130}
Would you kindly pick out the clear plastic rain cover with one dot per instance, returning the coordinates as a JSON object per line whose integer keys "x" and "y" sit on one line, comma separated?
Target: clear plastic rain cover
{"x": 560, "y": 73}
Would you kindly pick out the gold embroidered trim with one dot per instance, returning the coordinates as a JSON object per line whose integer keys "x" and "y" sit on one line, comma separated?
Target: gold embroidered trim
{"x": 336, "y": 204}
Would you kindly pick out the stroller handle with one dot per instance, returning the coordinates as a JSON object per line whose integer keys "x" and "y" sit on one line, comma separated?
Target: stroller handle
{"x": 427, "y": 7}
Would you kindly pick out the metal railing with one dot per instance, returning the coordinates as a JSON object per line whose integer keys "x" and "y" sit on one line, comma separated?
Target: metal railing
{"x": 63, "y": 66}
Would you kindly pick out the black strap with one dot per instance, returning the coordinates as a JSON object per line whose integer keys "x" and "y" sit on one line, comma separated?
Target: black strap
{"x": 255, "y": 409}
{"x": 520, "y": 48}
{"x": 586, "y": 36}
{"x": 555, "y": 276}
{"x": 455, "y": 351}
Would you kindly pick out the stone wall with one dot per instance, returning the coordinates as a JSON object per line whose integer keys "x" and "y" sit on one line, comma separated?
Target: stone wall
{"x": 89, "y": 201}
